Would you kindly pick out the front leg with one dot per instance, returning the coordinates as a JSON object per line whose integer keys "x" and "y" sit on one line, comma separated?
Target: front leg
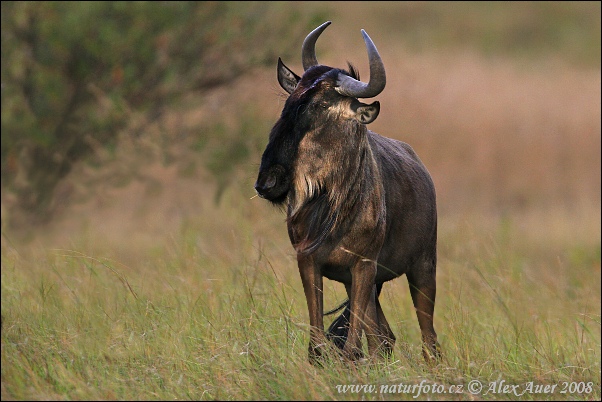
{"x": 311, "y": 277}
{"x": 362, "y": 306}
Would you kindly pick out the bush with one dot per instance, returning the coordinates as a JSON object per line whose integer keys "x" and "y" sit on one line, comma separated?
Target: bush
{"x": 73, "y": 72}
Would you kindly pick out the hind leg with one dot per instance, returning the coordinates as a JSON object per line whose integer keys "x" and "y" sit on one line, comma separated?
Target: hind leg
{"x": 339, "y": 329}
{"x": 423, "y": 289}
{"x": 384, "y": 339}
{"x": 386, "y": 334}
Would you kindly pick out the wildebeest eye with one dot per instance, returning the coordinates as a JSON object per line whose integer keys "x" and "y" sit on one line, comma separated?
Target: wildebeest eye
{"x": 300, "y": 109}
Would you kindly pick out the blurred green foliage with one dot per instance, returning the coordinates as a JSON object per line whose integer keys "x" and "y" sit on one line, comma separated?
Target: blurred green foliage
{"x": 73, "y": 73}
{"x": 238, "y": 145}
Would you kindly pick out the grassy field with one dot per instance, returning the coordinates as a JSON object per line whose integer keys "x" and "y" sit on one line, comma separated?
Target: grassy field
{"x": 224, "y": 317}
{"x": 160, "y": 276}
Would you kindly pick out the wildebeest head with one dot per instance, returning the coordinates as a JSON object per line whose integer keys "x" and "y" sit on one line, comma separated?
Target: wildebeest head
{"x": 323, "y": 95}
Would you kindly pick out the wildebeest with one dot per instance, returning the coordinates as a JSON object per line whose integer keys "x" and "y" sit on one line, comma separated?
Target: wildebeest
{"x": 361, "y": 208}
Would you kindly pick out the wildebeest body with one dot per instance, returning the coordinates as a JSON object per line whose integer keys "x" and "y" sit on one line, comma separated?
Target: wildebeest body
{"x": 361, "y": 207}
{"x": 410, "y": 223}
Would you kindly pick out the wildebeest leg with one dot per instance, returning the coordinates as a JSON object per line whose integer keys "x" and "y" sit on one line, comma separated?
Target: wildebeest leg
{"x": 423, "y": 289}
{"x": 387, "y": 336}
{"x": 311, "y": 278}
{"x": 339, "y": 329}
{"x": 362, "y": 293}
{"x": 371, "y": 325}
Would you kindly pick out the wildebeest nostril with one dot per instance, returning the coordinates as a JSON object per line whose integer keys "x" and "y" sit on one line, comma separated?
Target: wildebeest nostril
{"x": 262, "y": 186}
{"x": 270, "y": 182}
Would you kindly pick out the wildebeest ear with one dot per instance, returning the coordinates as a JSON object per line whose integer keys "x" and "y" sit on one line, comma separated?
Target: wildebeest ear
{"x": 366, "y": 113}
{"x": 287, "y": 79}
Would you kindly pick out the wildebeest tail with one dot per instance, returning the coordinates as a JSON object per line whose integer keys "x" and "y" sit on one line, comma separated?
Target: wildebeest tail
{"x": 339, "y": 329}
{"x": 338, "y": 308}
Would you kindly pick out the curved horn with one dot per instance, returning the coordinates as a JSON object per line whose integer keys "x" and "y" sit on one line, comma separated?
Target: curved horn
{"x": 308, "y": 51}
{"x": 351, "y": 87}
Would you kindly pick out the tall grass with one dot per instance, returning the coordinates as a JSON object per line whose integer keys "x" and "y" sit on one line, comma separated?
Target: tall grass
{"x": 221, "y": 315}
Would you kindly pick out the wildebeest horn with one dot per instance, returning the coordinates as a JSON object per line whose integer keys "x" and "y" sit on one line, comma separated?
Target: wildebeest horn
{"x": 308, "y": 51}
{"x": 351, "y": 87}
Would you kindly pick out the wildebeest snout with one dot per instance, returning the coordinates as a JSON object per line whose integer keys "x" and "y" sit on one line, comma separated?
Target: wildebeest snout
{"x": 272, "y": 183}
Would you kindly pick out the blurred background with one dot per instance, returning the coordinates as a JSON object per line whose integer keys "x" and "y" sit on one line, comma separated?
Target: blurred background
{"x": 126, "y": 122}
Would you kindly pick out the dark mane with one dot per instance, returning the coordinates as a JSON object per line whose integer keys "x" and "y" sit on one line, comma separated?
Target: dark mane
{"x": 313, "y": 223}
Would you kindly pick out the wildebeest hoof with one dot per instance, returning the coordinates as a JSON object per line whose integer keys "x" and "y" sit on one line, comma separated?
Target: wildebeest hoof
{"x": 353, "y": 354}
{"x": 432, "y": 353}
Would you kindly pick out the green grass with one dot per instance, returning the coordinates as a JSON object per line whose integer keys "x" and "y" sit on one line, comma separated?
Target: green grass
{"x": 218, "y": 312}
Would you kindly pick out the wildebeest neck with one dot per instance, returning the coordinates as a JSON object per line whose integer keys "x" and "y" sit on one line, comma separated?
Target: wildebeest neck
{"x": 333, "y": 183}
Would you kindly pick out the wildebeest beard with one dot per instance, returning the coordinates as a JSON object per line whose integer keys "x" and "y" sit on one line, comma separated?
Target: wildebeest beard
{"x": 311, "y": 224}
{"x": 323, "y": 207}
